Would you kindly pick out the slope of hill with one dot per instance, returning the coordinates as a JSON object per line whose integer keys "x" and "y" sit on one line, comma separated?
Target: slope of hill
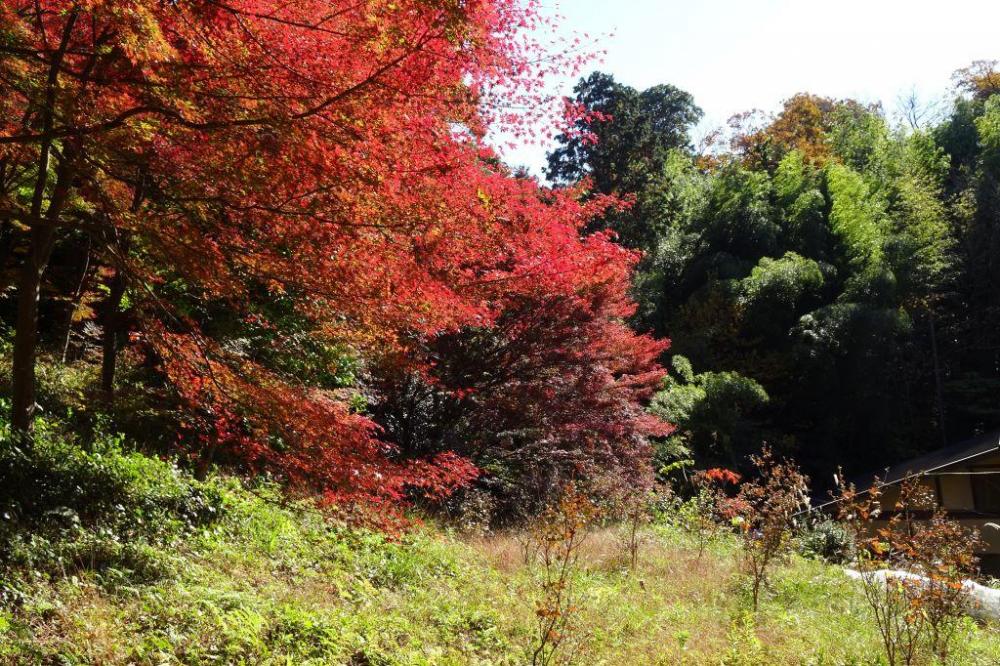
{"x": 161, "y": 569}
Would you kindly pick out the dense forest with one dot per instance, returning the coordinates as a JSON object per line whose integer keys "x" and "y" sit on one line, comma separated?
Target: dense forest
{"x": 827, "y": 277}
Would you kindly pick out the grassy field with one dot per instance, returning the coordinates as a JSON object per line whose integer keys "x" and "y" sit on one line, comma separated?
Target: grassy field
{"x": 262, "y": 581}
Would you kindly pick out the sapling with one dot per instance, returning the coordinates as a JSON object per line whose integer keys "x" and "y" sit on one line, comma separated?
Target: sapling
{"x": 558, "y": 537}
{"x": 767, "y": 507}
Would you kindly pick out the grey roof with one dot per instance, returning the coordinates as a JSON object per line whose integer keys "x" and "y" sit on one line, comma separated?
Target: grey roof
{"x": 939, "y": 459}
{"x": 925, "y": 464}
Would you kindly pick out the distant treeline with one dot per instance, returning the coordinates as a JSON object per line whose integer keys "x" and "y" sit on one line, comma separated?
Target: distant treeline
{"x": 829, "y": 275}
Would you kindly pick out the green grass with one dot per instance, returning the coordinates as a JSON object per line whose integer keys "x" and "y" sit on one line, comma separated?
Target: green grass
{"x": 251, "y": 578}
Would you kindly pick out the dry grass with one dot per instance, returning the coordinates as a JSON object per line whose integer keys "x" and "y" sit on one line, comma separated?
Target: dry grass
{"x": 679, "y": 608}
{"x": 673, "y": 599}
{"x": 274, "y": 588}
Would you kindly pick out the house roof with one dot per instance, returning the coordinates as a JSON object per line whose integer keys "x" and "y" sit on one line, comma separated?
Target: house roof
{"x": 926, "y": 464}
{"x": 939, "y": 459}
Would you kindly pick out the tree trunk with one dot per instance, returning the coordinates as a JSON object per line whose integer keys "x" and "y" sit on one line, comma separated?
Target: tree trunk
{"x": 938, "y": 388}
{"x": 26, "y": 328}
{"x": 112, "y": 325}
{"x": 43, "y": 233}
{"x": 43, "y": 236}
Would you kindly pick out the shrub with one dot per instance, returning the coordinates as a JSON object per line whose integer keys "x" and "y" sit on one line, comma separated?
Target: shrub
{"x": 829, "y": 541}
{"x": 631, "y": 508}
{"x": 745, "y": 648}
{"x": 558, "y": 535}
{"x": 767, "y": 507}
{"x": 68, "y": 506}
{"x": 636, "y": 513}
{"x": 705, "y": 514}
{"x": 469, "y": 509}
{"x": 912, "y": 568}
{"x": 102, "y": 482}
{"x": 944, "y": 555}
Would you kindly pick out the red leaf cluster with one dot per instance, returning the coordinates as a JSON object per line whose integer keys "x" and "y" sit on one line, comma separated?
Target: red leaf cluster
{"x": 721, "y": 476}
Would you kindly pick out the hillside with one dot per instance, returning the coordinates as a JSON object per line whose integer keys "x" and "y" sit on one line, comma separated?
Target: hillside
{"x": 166, "y": 570}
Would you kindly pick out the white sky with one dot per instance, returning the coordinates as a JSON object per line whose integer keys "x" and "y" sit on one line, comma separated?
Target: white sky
{"x": 735, "y": 55}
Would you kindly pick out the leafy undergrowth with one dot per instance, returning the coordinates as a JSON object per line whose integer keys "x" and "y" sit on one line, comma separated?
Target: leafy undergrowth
{"x": 164, "y": 570}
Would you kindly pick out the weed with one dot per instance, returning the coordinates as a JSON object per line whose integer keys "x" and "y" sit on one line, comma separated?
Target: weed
{"x": 559, "y": 534}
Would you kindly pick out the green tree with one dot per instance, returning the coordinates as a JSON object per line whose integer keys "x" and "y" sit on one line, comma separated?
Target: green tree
{"x": 623, "y": 143}
{"x": 713, "y": 412}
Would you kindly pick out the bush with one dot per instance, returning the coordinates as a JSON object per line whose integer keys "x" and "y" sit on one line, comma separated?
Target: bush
{"x": 102, "y": 484}
{"x": 67, "y": 506}
{"x": 767, "y": 507}
{"x": 707, "y": 514}
{"x": 829, "y": 541}
{"x": 559, "y": 535}
{"x": 912, "y": 571}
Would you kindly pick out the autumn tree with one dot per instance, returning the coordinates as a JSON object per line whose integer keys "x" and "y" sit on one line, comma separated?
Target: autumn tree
{"x": 555, "y": 389}
{"x": 621, "y": 140}
{"x": 256, "y": 178}
{"x": 806, "y": 123}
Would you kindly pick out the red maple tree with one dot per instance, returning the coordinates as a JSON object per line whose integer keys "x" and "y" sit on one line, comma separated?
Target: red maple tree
{"x": 328, "y": 153}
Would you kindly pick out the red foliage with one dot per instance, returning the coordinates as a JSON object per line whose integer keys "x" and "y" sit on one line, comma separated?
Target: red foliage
{"x": 328, "y": 152}
{"x": 553, "y": 389}
{"x": 714, "y": 481}
{"x": 721, "y": 476}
